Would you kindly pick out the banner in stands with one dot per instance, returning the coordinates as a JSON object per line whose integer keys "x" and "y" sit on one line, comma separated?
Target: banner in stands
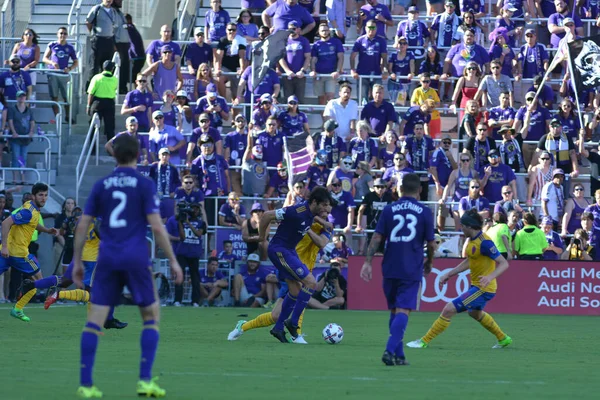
{"x": 527, "y": 287}
{"x": 239, "y": 246}
{"x": 189, "y": 82}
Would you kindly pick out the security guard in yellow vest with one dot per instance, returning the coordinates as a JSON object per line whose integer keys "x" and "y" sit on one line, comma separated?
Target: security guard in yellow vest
{"x": 102, "y": 92}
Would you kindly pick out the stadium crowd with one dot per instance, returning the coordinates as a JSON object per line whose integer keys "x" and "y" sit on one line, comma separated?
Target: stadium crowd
{"x": 221, "y": 160}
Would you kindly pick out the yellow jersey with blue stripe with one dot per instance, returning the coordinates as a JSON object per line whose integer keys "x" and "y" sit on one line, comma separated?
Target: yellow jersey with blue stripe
{"x": 482, "y": 255}
{"x": 92, "y": 244}
{"x": 307, "y": 249}
{"x": 25, "y": 222}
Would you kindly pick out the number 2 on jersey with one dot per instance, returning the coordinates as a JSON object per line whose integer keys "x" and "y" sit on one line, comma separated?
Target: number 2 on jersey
{"x": 115, "y": 221}
{"x": 395, "y": 236}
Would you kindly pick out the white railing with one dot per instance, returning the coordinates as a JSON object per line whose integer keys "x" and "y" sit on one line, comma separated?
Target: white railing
{"x": 92, "y": 142}
{"x": 186, "y": 18}
{"x": 117, "y": 74}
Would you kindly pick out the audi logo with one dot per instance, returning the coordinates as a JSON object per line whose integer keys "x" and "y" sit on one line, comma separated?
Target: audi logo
{"x": 461, "y": 282}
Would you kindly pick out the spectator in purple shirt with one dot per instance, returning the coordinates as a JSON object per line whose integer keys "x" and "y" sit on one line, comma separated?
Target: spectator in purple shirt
{"x": 166, "y": 177}
{"x": 198, "y": 52}
{"x": 165, "y": 136}
{"x": 271, "y": 139}
{"x": 532, "y": 58}
{"x": 57, "y": 57}
{"x": 558, "y": 23}
{"x": 232, "y": 213}
{"x": 495, "y": 176}
{"x": 136, "y": 48}
{"x": 293, "y": 122}
{"x": 401, "y": 63}
{"x": 259, "y": 116}
{"x": 442, "y": 164}
{"x": 154, "y": 50}
{"x": 415, "y": 32}
{"x": 138, "y": 103}
{"x": 376, "y": 12}
{"x": 420, "y": 148}
{"x": 474, "y": 200}
{"x": 215, "y": 106}
{"x": 462, "y": 53}
{"x": 363, "y": 147}
{"x": 502, "y": 115}
{"x": 215, "y": 22}
{"x": 330, "y": 142}
{"x": 15, "y": 80}
{"x": 203, "y": 128}
{"x": 249, "y": 286}
{"x": 318, "y": 173}
{"x": 372, "y": 58}
{"x": 212, "y": 281}
{"x": 132, "y": 129}
{"x": 532, "y": 122}
{"x": 547, "y": 94}
{"x": 269, "y": 85}
{"x": 295, "y": 63}
{"x": 342, "y": 214}
{"x": 327, "y": 58}
{"x": 555, "y": 243}
{"x": 281, "y": 12}
{"x": 413, "y": 116}
{"x": 502, "y": 51}
{"x": 444, "y": 29}
{"x": 379, "y": 113}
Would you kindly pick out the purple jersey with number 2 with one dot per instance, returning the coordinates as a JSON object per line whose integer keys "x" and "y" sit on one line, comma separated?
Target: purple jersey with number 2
{"x": 123, "y": 200}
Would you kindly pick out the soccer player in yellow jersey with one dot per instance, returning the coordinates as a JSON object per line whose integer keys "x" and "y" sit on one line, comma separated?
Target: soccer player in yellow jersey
{"x": 17, "y": 232}
{"x": 308, "y": 248}
{"x": 486, "y": 264}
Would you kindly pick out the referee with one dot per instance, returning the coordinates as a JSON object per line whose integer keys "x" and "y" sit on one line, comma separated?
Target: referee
{"x": 101, "y": 97}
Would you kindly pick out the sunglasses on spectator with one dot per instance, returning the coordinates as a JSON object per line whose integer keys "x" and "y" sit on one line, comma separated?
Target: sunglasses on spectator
{"x": 464, "y": 160}
{"x": 380, "y": 187}
{"x": 446, "y": 141}
{"x": 403, "y": 43}
{"x": 158, "y": 117}
{"x": 371, "y": 28}
{"x": 336, "y": 184}
{"x": 188, "y": 183}
{"x": 481, "y": 129}
{"x": 529, "y": 35}
{"x": 506, "y": 192}
{"x": 555, "y": 125}
{"x": 544, "y": 158}
{"x": 142, "y": 81}
{"x": 529, "y": 99}
{"x": 203, "y": 121}
{"x": 263, "y": 33}
{"x": 15, "y": 61}
{"x": 474, "y": 187}
{"x": 471, "y": 69}
{"x": 231, "y": 29}
{"x": 199, "y": 34}
{"x": 167, "y": 52}
{"x": 292, "y": 103}
{"x": 234, "y": 198}
{"x": 496, "y": 67}
{"x": 494, "y": 156}
{"x": 300, "y": 187}
{"x": 270, "y": 124}
{"x": 399, "y": 158}
{"x": 579, "y": 189}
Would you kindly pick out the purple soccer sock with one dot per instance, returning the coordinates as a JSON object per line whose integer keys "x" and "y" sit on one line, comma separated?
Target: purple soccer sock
{"x": 89, "y": 345}
{"x": 301, "y": 304}
{"x": 149, "y": 343}
{"x": 395, "y": 343}
{"x": 391, "y": 321}
{"x": 286, "y": 309}
{"x": 111, "y": 313}
{"x": 48, "y": 282}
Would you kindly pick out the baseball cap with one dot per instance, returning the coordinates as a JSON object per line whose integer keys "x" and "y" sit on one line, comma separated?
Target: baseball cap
{"x": 379, "y": 182}
{"x": 557, "y": 171}
{"x": 257, "y": 151}
{"x": 547, "y": 220}
{"x": 530, "y": 95}
{"x": 449, "y": 3}
{"x": 555, "y": 121}
{"x": 131, "y": 120}
{"x": 446, "y": 136}
{"x": 182, "y": 93}
{"x": 493, "y": 153}
{"x": 530, "y": 31}
{"x": 198, "y": 30}
{"x": 205, "y": 138}
{"x": 108, "y": 65}
{"x": 334, "y": 262}
{"x": 211, "y": 90}
{"x": 266, "y": 97}
{"x": 253, "y": 257}
{"x": 509, "y": 7}
{"x": 568, "y": 20}
{"x": 157, "y": 113}
{"x": 505, "y": 129}
{"x": 292, "y": 98}
{"x": 413, "y": 9}
{"x": 166, "y": 48}
{"x": 256, "y": 207}
{"x": 330, "y": 125}
{"x": 239, "y": 116}
{"x": 21, "y": 93}
{"x": 14, "y": 57}
{"x": 164, "y": 150}
{"x": 293, "y": 24}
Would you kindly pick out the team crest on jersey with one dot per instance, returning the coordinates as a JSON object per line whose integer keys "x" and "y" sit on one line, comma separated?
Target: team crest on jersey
{"x": 212, "y": 169}
{"x": 300, "y": 271}
{"x": 448, "y": 28}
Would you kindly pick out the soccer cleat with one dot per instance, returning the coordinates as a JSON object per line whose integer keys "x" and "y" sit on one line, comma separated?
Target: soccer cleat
{"x": 400, "y": 361}
{"x": 503, "y": 343}
{"x": 237, "y": 331}
{"x": 89, "y": 392}
{"x": 19, "y": 314}
{"x": 114, "y": 324}
{"x": 51, "y": 299}
{"x": 280, "y": 335}
{"x": 417, "y": 344}
{"x": 150, "y": 389}
{"x": 299, "y": 340}
{"x": 177, "y": 304}
{"x": 388, "y": 358}
{"x": 292, "y": 329}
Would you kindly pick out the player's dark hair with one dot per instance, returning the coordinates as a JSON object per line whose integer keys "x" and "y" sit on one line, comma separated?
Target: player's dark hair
{"x": 39, "y": 187}
{"x": 530, "y": 219}
{"x": 211, "y": 259}
{"x": 320, "y": 195}
{"x": 227, "y": 242}
{"x": 499, "y": 218}
{"x": 471, "y": 218}
{"x": 126, "y": 149}
{"x": 411, "y": 183}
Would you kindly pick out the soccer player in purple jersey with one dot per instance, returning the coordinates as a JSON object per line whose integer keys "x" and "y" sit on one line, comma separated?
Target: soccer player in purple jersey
{"x": 294, "y": 222}
{"x": 405, "y": 226}
{"x": 126, "y": 202}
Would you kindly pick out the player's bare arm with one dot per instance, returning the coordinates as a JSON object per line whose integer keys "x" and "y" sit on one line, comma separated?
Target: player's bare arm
{"x": 366, "y": 272}
{"x": 8, "y": 222}
{"x": 78, "y": 243}
{"x": 429, "y": 260}
{"x": 326, "y": 224}
{"x": 43, "y": 229}
{"x": 265, "y": 223}
{"x": 463, "y": 266}
{"x": 162, "y": 238}
{"x": 319, "y": 240}
{"x": 501, "y": 266}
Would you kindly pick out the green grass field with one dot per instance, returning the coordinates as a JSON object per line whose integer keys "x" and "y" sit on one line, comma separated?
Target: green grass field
{"x": 552, "y": 357}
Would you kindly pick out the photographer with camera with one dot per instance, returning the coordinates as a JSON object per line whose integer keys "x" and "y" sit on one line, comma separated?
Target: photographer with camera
{"x": 579, "y": 248}
{"x": 331, "y": 289}
{"x": 186, "y": 229}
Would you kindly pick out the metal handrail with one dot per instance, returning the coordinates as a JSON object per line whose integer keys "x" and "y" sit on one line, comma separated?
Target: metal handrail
{"x": 47, "y": 151}
{"x": 91, "y": 139}
{"x": 180, "y": 14}
{"x": 116, "y": 58}
{"x": 3, "y": 172}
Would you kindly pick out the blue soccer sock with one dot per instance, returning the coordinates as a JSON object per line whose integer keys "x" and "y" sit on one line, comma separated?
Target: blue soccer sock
{"x": 48, "y": 282}
{"x": 301, "y": 304}
{"x": 149, "y": 343}
{"x": 111, "y": 314}
{"x": 391, "y": 321}
{"x": 89, "y": 345}
{"x": 286, "y": 309}
{"x": 395, "y": 344}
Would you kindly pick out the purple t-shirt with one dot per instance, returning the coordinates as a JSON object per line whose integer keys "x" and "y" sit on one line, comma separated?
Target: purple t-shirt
{"x": 134, "y": 196}
{"x": 475, "y": 6}
{"x": 553, "y": 238}
{"x": 532, "y": 60}
{"x": 168, "y": 137}
{"x": 378, "y": 117}
{"x": 415, "y": 33}
{"x": 197, "y": 54}
{"x": 204, "y": 102}
{"x": 13, "y": 82}
{"x": 267, "y": 85}
{"x": 211, "y": 174}
{"x": 259, "y": 118}
{"x": 394, "y": 175}
{"x": 386, "y": 157}
{"x": 26, "y": 54}
{"x": 401, "y": 66}
{"x": 557, "y": 19}
{"x": 280, "y": 184}
{"x": 480, "y": 204}
{"x": 442, "y": 164}
{"x": 212, "y": 132}
{"x": 369, "y": 54}
{"x": 414, "y": 116}
{"x": 204, "y": 278}
{"x": 371, "y": 12}
{"x": 403, "y": 257}
{"x": 60, "y": 53}
{"x": 292, "y": 124}
{"x": 537, "y": 122}
{"x": 317, "y": 176}
{"x": 195, "y": 196}
{"x": 226, "y": 211}
{"x": 216, "y": 23}
{"x": 362, "y": 150}
{"x": 155, "y": 46}
{"x": 339, "y": 213}
{"x": 282, "y": 14}
{"x": 236, "y": 142}
{"x": 295, "y": 51}
{"x": 501, "y": 114}
{"x": 496, "y": 53}
{"x": 254, "y": 4}
{"x": 419, "y": 151}
{"x": 191, "y": 246}
{"x": 334, "y": 146}
{"x": 137, "y": 98}
{"x": 447, "y": 26}
{"x": 272, "y": 147}
{"x": 254, "y": 282}
{"x": 510, "y": 26}
{"x": 501, "y": 175}
{"x": 326, "y": 54}
{"x": 460, "y": 55}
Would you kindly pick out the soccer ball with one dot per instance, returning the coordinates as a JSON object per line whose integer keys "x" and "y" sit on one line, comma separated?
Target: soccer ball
{"x": 333, "y": 333}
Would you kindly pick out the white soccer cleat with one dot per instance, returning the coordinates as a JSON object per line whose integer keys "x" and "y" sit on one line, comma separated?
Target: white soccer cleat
{"x": 299, "y": 340}
{"x": 417, "y": 344}
{"x": 237, "y": 331}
